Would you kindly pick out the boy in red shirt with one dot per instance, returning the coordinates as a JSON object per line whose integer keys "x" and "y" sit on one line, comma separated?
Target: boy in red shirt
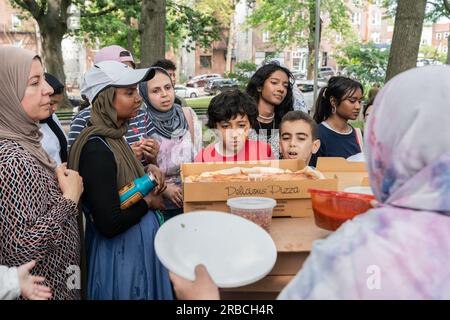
{"x": 232, "y": 113}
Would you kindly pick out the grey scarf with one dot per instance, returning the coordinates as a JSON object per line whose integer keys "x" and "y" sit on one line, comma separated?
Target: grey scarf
{"x": 169, "y": 124}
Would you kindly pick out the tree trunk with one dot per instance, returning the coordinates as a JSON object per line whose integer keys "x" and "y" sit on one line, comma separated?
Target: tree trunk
{"x": 129, "y": 35}
{"x": 311, "y": 37}
{"x": 51, "y": 17}
{"x": 152, "y": 31}
{"x": 53, "y": 26}
{"x": 230, "y": 45}
{"x": 406, "y": 39}
{"x": 231, "y": 34}
{"x": 52, "y": 53}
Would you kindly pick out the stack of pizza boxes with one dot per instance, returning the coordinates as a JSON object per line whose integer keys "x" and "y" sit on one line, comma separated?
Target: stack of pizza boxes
{"x": 347, "y": 173}
{"x": 293, "y": 199}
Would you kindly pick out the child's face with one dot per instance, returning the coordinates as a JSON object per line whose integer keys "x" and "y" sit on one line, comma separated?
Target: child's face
{"x": 296, "y": 141}
{"x": 234, "y": 132}
{"x": 160, "y": 92}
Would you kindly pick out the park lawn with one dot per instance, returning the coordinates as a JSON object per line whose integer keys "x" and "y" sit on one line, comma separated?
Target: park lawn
{"x": 357, "y": 124}
{"x": 199, "y": 102}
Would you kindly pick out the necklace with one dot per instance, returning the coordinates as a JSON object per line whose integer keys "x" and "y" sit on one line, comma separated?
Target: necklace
{"x": 267, "y": 118}
{"x": 349, "y": 128}
{"x": 273, "y": 125}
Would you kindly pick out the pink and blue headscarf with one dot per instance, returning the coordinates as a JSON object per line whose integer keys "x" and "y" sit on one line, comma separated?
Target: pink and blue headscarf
{"x": 399, "y": 250}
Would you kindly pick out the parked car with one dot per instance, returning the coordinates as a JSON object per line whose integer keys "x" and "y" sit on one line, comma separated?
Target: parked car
{"x": 299, "y": 75}
{"x": 326, "y": 72}
{"x": 219, "y": 85}
{"x": 427, "y": 62}
{"x": 185, "y": 92}
{"x": 307, "y": 88}
{"x": 200, "y": 81}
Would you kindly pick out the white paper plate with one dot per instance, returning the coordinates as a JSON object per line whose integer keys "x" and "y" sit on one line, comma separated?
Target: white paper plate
{"x": 235, "y": 251}
{"x": 359, "y": 189}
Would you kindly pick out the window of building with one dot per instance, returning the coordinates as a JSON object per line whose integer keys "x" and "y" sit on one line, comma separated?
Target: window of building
{"x": 266, "y": 36}
{"x": 16, "y": 23}
{"x": 438, "y": 36}
{"x": 356, "y": 2}
{"x": 444, "y": 49}
{"x": 205, "y": 61}
{"x": 338, "y": 37}
{"x": 18, "y": 43}
{"x": 446, "y": 35}
{"x": 356, "y": 17}
{"x": 376, "y": 18}
{"x": 324, "y": 58}
{"x": 375, "y": 37}
{"x": 378, "y": 2}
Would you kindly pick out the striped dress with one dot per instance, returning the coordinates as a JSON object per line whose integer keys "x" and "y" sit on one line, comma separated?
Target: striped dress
{"x": 37, "y": 222}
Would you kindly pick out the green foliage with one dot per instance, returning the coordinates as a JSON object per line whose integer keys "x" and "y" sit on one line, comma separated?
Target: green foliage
{"x": 121, "y": 18}
{"x": 110, "y": 27}
{"x": 186, "y": 23}
{"x": 242, "y": 72}
{"x": 222, "y": 10}
{"x": 357, "y": 124}
{"x": 431, "y": 53}
{"x": 367, "y": 63}
{"x": 289, "y": 21}
{"x": 436, "y": 9}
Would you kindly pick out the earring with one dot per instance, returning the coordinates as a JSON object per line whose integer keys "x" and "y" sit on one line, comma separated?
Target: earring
{"x": 333, "y": 109}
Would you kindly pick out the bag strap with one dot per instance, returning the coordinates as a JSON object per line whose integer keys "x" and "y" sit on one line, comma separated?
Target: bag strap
{"x": 359, "y": 139}
{"x": 188, "y": 116}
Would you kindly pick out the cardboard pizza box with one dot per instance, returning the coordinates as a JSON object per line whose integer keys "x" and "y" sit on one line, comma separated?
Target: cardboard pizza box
{"x": 347, "y": 173}
{"x": 293, "y": 199}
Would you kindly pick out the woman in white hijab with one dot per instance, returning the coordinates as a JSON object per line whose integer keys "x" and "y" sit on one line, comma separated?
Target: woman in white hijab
{"x": 399, "y": 250}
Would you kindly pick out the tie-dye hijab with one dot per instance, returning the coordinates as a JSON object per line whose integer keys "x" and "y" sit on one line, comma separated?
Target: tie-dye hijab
{"x": 409, "y": 141}
{"x": 401, "y": 249}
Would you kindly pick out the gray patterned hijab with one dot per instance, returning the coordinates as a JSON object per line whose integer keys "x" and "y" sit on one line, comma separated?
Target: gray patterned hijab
{"x": 169, "y": 124}
{"x": 15, "y": 124}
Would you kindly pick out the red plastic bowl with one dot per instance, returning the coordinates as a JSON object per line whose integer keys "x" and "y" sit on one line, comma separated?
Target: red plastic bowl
{"x": 333, "y": 208}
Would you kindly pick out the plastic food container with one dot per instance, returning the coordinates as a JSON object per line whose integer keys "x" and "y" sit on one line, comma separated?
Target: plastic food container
{"x": 359, "y": 189}
{"x": 256, "y": 209}
{"x": 332, "y": 208}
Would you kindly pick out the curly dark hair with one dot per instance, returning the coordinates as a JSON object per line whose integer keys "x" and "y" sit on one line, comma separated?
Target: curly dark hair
{"x": 228, "y": 105}
{"x": 257, "y": 81}
{"x": 166, "y": 64}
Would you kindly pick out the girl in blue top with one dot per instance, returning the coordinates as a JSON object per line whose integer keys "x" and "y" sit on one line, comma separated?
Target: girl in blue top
{"x": 336, "y": 104}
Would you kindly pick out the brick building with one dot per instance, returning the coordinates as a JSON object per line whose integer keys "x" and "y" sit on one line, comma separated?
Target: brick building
{"x": 441, "y": 32}
{"x": 16, "y": 31}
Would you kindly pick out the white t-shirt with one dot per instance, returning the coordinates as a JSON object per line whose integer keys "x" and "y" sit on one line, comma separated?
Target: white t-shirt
{"x": 50, "y": 141}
